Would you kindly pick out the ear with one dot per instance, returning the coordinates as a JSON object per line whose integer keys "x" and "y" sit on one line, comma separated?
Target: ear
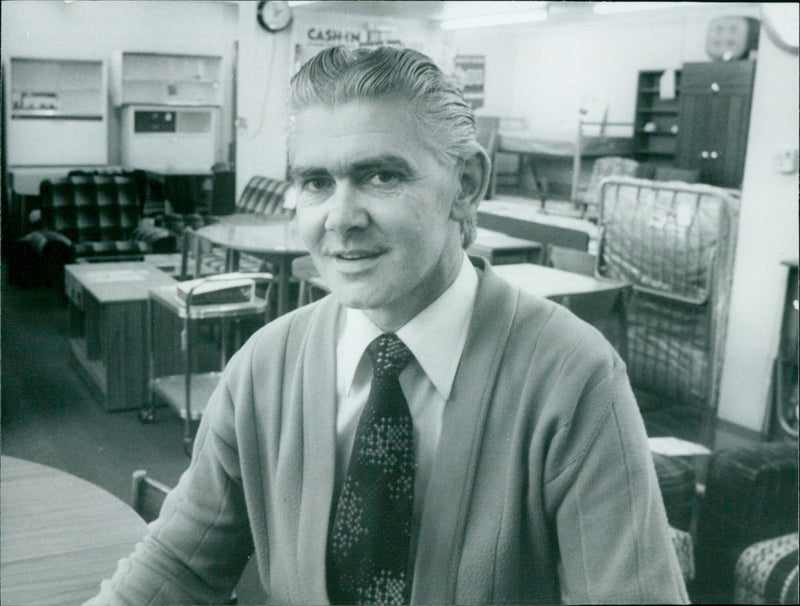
{"x": 474, "y": 181}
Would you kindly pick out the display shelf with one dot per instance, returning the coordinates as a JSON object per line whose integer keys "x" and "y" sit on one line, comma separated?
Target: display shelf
{"x": 53, "y": 103}
{"x": 167, "y": 79}
{"x": 656, "y": 122}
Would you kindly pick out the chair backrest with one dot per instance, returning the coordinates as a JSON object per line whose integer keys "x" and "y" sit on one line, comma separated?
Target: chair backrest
{"x": 486, "y": 128}
{"x": 147, "y": 495}
{"x": 147, "y": 499}
{"x": 570, "y": 259}
{"x": 265, "y": 196}
{"x": 91, "y": 207}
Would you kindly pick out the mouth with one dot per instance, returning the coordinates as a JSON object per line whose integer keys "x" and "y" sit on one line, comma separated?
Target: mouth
{"x": 356, "y": 255}
{"x": 357, "y": 259}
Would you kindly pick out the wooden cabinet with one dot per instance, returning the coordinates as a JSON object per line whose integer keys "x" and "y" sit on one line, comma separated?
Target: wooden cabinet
{"x": 656, "y": 123}
{"x": 53, "y": 104}
{"x": 169, "y": 138}
{"x": 108, "y": 327}
{"x": 714, "y": 120}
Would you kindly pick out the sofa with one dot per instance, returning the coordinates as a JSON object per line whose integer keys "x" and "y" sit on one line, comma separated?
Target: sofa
{"x": 747, "y": 525}
{"x": 733, "y": 516}
{"x": 87, "y": 217}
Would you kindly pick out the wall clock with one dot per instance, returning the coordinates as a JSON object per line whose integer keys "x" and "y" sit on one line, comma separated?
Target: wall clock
{"x": 274, "y": 15}
{"x": 781, "y": 22}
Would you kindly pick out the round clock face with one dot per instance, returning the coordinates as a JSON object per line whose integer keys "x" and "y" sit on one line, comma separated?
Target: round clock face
{"x": 274, "y": 15}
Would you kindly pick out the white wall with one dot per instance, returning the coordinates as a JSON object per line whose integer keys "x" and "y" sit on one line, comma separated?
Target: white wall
{"x": 768, "y": 234}
{"x": 97, "y": 30}
{"x": 265, "y": 67}
{"x": 541, "y": 73}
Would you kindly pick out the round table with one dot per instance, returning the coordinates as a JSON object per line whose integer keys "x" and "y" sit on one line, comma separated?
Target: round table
{"x": 61, "y": 535}
{"x": 276, "y": 241}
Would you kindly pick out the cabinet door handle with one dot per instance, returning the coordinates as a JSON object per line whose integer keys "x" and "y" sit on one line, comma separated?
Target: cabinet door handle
{"x": 704, "y": 154}
{"x": 714, "y": 155}
{"x": 714, "y": 87}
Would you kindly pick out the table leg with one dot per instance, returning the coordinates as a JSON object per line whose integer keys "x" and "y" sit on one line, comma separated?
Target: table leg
{"x": 284, "y": 270}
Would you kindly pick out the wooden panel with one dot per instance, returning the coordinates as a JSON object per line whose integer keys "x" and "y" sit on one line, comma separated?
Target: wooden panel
{"x": 61, "y": 535}
{"x": 538, "y": 232}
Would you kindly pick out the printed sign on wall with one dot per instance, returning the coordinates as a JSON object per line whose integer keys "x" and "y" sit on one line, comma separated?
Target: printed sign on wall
{"x": 312, "y": 39}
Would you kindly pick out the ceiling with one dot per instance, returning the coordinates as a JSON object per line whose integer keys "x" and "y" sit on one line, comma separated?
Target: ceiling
{"x": 437, "y": 10}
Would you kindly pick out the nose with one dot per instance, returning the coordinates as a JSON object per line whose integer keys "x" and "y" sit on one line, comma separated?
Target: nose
{"x": 346, "y": 210}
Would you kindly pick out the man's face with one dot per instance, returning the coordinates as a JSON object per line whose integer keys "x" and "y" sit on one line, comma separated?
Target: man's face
{"x": 373, "y": 206}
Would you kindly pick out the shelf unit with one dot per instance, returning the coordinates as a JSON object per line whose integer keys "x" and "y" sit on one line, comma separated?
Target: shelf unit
{"x": 656, "y": 123}
{"x": 53, "y": 103}
{"x": 166, "y": 79}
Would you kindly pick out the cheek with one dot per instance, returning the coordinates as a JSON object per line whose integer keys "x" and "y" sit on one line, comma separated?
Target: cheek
{"x": 310, "y": 224}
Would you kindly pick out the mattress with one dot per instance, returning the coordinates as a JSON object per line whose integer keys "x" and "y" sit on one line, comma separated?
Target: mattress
{"x": 562, "y": 144}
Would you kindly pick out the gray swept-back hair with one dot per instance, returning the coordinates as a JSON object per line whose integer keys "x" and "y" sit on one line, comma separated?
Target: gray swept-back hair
{"x": 339, "y": 75}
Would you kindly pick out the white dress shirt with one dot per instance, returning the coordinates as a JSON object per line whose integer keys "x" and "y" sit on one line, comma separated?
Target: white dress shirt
{"x": 436, "y": 337}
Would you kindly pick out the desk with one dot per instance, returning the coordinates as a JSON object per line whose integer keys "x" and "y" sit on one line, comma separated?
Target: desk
{"x": 500, "y": 248}
{"x": 276, "y": 242}
{"x": 526, "y": 221}
{"x": 108, "y": 312}
{"x": 61, "y": 535}
{"x": 598, "y": 302}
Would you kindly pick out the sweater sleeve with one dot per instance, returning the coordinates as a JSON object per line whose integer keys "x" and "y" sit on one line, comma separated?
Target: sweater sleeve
{"x": 196, "y": 550}
{"x": 610, "y": 523}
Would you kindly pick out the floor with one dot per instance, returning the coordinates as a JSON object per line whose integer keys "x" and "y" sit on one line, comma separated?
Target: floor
{"x": 51, "y": 415}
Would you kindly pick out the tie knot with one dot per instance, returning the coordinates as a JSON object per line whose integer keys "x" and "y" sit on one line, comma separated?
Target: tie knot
{"x": 389, "y": 355}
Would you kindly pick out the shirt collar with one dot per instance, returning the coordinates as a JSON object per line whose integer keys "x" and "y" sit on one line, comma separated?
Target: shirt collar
{"x": 435, "y": 336}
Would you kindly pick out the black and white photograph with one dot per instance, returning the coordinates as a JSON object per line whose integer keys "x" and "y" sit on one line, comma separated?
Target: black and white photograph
{"x": 429, "y": 302}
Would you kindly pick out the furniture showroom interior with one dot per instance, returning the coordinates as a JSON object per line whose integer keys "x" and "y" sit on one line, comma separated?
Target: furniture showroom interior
{"x": 644, "y": 175}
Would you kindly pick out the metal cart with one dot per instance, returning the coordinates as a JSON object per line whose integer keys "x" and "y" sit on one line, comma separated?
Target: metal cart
{"x": 191, "y": 303}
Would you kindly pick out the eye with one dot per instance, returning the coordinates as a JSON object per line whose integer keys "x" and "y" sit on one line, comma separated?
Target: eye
{"x": 315, "y": 184}
{"x": 383, "y": 178}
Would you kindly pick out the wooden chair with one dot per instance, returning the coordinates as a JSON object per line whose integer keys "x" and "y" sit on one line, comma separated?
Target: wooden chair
{"x": 570, "y": 259}
{"x": 147, "y": 498}
{"x": 486, "y": 128}
{"x": 147, "y": 495}
{"x": 311, "y": 285}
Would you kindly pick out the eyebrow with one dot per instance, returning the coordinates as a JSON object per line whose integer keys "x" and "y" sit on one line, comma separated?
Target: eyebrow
{"x": 385, "y": 161}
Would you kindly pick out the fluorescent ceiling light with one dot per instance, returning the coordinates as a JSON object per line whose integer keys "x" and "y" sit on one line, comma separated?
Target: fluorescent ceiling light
{"x": 490, "y": 20}
{"x": 300, "y": 2}
{"x": 613, "y": 8}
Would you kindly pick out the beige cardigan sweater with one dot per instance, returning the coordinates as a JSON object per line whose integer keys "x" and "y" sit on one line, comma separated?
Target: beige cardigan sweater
{"x": 542, "y": 488}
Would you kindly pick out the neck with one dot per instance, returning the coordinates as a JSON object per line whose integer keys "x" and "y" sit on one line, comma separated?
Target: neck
{"x": 393, "y": 318}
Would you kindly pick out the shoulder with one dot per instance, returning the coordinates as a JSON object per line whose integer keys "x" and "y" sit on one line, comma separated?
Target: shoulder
{"x": 276, "y": 346}
{"x": 542, "y": 328}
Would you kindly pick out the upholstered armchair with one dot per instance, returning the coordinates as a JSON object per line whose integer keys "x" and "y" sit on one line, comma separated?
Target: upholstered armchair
{"x": 93, "y": 217}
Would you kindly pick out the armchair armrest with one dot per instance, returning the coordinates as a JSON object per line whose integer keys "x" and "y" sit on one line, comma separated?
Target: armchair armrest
{"x": 158, "y": 239}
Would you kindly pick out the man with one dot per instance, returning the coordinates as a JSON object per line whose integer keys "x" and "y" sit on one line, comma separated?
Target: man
{"x": 500, "y": 456}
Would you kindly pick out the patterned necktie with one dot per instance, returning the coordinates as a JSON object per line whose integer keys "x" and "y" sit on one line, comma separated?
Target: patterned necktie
{"x": 368, "y": 544}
